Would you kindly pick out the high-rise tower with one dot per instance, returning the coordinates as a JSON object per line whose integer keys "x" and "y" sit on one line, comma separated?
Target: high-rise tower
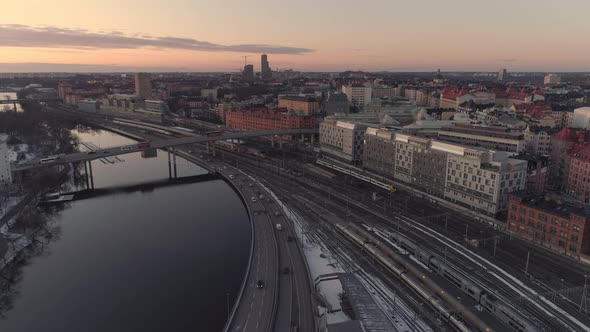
{"x": 502, "y": 74}
{"x": 248, "y": 73}
{"x": 143, "y": 85}
{"x": 265, "y": 71}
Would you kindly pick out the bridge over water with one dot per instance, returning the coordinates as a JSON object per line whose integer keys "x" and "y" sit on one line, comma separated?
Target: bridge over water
{"x": 81, "y": 157}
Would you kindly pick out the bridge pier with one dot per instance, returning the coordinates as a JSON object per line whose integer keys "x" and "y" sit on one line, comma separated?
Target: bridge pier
{"x": 174, "y": 161}
{"x": 312, "y": 139}
{"x": 169, "y": 165}
{"x": 207, "y": 147}
{"x": 213, "y": 148}
{"x": 91, "y": 176}
{"x": 14, "y": 105}
{"x": 86, "y": 175}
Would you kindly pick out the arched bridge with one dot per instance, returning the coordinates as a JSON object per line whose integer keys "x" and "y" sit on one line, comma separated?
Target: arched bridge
{"x": 148, "y": 145}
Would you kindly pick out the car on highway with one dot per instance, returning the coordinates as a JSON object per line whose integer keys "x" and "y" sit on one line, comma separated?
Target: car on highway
{"x": 250, "y": 184}
{"x": 260, "y": 284}
{"x": 232, "y": 177}
{"x": 253, "y": 199}
{"x": 261, "y": 196}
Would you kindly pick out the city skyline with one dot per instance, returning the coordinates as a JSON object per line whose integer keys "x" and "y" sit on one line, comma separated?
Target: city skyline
{"x": 455, "y": 35}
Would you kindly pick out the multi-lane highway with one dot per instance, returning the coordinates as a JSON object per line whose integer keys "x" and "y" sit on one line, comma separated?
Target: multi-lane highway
{"x": 283, "y": 302}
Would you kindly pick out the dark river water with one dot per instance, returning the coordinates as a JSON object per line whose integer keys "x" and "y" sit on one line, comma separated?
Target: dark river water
{"x": 156, "y": 260}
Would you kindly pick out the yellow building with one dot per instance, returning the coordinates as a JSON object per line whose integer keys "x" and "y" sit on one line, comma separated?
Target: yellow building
{"x": 300, "y": 104}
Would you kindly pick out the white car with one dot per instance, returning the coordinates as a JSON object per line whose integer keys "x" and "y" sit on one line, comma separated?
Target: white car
{"x": 253, "y": 199}
{"x": 232, "y": 177}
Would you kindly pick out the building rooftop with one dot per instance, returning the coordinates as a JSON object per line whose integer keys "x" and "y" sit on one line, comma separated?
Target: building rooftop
{"x": 484, "y": 131}
{"x": 554, "y": 204}
{"x": 299, "y": 98}
{"x": 581, "y": 152}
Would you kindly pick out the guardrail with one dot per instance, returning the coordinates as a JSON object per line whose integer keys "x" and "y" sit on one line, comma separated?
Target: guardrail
{"x": 275, "y": 297}
{"x": 249, "y": 266}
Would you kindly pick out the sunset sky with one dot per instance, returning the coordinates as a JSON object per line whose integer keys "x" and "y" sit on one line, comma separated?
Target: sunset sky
{"x": 318, "y": 35}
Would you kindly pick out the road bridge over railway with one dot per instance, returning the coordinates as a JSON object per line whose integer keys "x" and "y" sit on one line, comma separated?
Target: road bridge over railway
{"x": 18, "y": 101}
{"x": 81, "y": 157}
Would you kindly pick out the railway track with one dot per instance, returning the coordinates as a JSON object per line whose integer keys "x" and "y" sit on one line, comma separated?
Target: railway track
{"x": 546, "y": 314}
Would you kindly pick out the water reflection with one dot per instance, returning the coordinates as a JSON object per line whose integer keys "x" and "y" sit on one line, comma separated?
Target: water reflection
{"x": 9, "y": 107}
{"x": 156, "y": 260}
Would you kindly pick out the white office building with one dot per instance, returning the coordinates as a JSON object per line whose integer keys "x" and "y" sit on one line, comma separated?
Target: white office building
{"x": 581, "y": 118}
{"x": 5, "y": 172}
{"x": 342, "y": 140}
{"x": 358, "y": 95}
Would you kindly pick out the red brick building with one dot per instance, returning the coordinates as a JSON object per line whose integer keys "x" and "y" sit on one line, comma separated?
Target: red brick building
{"x": 263, "y": 119}
{"x": 550, "y": 221}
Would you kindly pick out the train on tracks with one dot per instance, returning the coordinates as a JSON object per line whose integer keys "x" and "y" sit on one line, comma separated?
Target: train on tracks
{"x": 377, "y": 183}
{"x": 445, "y": 304}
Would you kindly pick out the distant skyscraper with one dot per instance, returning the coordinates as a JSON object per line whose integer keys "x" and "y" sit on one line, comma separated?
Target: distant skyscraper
{"x": 265, "y": 71}
{"x": 248, "y": 73}
{"x": 143, "y": 85}
{"x": 502, "y": 74}
{"x": 63, "y": 89}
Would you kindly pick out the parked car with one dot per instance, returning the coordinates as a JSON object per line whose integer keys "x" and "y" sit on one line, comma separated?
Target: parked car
{"x": 260, "y": 284}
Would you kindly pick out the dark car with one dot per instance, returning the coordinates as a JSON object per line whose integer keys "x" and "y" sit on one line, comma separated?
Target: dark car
{"x": 260, "y": 284}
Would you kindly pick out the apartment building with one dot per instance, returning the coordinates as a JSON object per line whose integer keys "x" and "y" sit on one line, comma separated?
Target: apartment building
{"x": 359, "y": 96}
{"x": 538, "y": 139}
{"x": 562, "y": 144}
{"x": 302, "y": 105}
{"x": 578, "y": 180}
{"x": 551, "y": 221}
